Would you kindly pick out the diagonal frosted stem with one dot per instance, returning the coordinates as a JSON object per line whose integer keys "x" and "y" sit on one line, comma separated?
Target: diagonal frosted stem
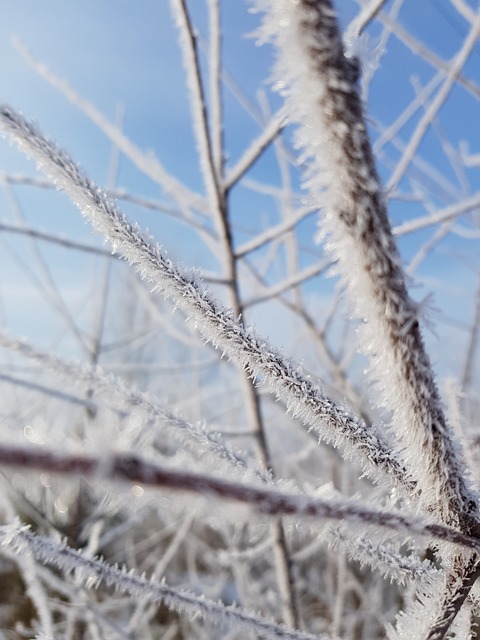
{"x": 336, "y": 425}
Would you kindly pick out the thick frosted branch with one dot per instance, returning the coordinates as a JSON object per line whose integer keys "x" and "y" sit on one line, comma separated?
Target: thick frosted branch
{"x": 322, "y": 98}
{"x": 334, "y": 424}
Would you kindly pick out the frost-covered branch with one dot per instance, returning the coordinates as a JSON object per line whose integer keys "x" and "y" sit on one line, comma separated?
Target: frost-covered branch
{"x": 365, "y": 16}
{"x": 324, "y": 101}
{"x": 294, "y": 281}
{"x": 67, "y": 243}
{"x": 427, "y": 54}
{"x": 93, "y": 572}
{"x": 198, "y": 103}
{"x": 472, "y": 347}
{"x": 335, "y": 424}
{"x": 268, "y": 501}
{"x": 459, "y": 584}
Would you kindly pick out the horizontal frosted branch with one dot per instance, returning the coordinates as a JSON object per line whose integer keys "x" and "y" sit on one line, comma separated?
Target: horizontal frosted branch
{"x": 93, "y": 571}
{"x": 269, "y": 501}
{"x": 334, "y": 424}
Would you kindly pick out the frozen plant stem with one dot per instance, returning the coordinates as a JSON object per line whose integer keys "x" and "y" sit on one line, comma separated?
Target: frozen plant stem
{"x": 315, "y": 77}
{"x": 325, "y": 104}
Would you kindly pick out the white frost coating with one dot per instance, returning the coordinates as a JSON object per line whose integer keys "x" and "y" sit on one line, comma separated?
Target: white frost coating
{"x": 383, "y": 557}
{"x": 420, "y": 614}
{"x": 322, "y": 98}
{"x": 336, "y": 425}
{"x": 93, "y": 571}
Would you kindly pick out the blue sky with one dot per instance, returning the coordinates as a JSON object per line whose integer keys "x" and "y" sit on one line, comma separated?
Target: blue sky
{"x": 127, "y": 53}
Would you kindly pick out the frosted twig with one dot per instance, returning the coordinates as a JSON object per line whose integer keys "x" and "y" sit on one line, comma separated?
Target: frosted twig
{"x": 54, "y": 393}
{"x": 469, "y": 364}
{"x": 365, "y": 16}
{"x": 464, "y": 10}
{"x": 382, "y": 557}
{"x": 95, "y": 378}
{"x": 41, "y": 275}
{"x": 94, "y": 571}
{"x": 425, "y": 121}
{"x": 421, "y": 172}
{"x": 335, "y": 424}
{"x": 217, "y": 194}
{"x": 206, "y": 276}
{"x": 197, "y": 102}
{"x": 266, "y": 500}
{"x": 427, "y": 247}
{"x": 449, "y": 213}
{"x": 256, "y": 148}
{"x": 146, "y": 163}
{"x": 55, "y": 239}
{"x": 215, "y": 77}
{"x": 294, "y": 281}
{"x": 459, "y": 585}
{"x": 193, "y": 218}
{"x": 392, "y": 130}
{"x": 274, "y": 232}
{"x": 427, "y": 54}
{"x": 180, "y": 533}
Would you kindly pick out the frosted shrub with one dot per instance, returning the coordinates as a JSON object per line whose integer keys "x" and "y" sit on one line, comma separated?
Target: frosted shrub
{"x": 197, "y": 507}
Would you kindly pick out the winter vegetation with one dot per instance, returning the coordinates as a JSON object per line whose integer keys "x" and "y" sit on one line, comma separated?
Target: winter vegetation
{"x": 247, "y": 406}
